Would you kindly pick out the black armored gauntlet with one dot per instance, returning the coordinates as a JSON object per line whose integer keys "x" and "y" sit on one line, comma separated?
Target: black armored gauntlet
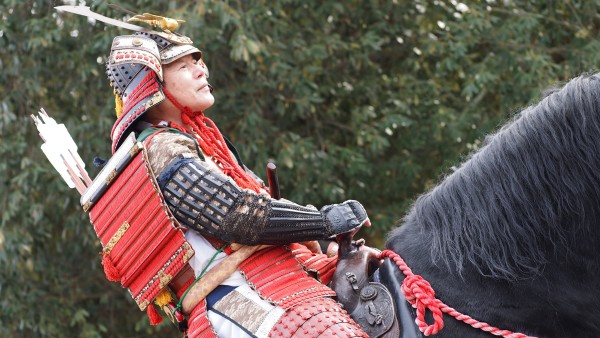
{"x": 211, "y": 203}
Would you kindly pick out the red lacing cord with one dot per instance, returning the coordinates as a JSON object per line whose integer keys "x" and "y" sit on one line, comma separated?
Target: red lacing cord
{"x": 421, "y": 296}
{"x": 212, "y": 144}
{"x": 147, "y": 86}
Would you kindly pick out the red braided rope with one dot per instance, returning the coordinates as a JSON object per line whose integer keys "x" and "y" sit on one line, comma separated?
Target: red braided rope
{"x": 421, "y": 296}
{"x": 213, "y": 144}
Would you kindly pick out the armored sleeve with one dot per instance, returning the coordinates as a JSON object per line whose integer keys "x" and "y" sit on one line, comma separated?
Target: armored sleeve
{"x": 204, "y": 199}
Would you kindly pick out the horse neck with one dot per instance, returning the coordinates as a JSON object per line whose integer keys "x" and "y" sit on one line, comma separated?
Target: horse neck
{"x": 562, "y": 301}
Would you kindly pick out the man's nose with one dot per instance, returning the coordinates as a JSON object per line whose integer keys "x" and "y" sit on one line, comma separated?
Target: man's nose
{"x": 200, "y": 69}
{"x": 203, "y": 67}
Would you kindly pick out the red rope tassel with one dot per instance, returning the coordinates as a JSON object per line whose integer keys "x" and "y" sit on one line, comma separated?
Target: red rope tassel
{"x": 153, "y": 315}
{"x": 421, "y": 296}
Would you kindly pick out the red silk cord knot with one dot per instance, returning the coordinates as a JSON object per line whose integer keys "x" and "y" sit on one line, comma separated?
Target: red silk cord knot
{"x": 110, "y": 270}
{"x": 420, "y": 295}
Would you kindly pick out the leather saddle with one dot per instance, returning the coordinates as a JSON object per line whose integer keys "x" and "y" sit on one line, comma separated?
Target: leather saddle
{"x": 380, "y": 310}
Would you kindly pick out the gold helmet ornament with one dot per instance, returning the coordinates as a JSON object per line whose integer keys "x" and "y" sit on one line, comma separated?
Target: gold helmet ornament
{"x": 166, "y": 24}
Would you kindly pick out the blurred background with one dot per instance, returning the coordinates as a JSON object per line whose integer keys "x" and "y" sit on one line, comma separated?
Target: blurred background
{"x": 366, "y": 100}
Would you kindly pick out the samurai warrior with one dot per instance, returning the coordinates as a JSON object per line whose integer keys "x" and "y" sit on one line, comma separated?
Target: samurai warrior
{"x": 244, "y": 273}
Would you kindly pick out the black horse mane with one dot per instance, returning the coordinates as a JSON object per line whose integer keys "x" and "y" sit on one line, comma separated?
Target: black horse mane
{"x": 526, "y": 197}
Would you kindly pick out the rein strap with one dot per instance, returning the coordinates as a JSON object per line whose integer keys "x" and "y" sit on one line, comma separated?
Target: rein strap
{"x": 421, "y": 296}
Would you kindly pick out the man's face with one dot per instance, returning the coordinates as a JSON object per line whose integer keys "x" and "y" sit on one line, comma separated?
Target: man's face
{"x": 185, "y": 79}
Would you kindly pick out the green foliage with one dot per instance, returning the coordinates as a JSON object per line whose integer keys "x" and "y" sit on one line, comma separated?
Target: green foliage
{"x": 369, "y": 100}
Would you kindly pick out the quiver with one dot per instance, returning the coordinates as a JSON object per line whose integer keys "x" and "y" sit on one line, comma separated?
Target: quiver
{"x": 144, "y": 247}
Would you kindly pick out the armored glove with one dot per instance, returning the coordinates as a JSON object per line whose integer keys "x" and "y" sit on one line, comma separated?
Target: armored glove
{"x": 345, "y": 216}
{"x": 211, "y": 203}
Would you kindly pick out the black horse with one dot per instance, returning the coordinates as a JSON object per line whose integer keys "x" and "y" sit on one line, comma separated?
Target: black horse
{"x": 512, "y": 237}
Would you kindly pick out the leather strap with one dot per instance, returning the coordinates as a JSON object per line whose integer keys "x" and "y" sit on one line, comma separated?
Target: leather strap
{"x": 404, "y": 311}
{"x": 182, "y": 281}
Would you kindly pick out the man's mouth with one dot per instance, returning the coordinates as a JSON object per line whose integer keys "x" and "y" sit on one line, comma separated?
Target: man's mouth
{"x": 203, "y": 86}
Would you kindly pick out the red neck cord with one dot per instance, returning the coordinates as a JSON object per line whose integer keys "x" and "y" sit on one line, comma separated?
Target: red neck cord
{"x": 213, "y": 144}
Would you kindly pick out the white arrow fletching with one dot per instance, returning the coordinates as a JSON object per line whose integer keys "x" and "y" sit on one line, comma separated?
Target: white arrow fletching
{"x": 59, "y": 147}
{"x": 58, "y": 164}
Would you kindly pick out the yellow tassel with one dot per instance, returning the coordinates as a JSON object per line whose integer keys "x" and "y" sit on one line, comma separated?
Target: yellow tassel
{"x": 163, "y": 298}
{"x": 118, "y": 104}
